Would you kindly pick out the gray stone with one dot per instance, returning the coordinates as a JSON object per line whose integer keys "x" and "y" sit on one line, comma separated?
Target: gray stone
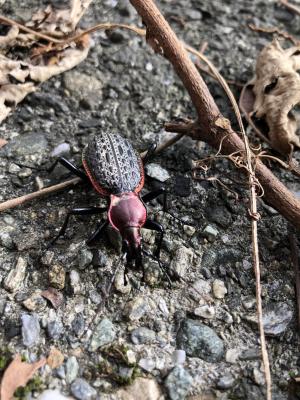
{"x": 205, "y": 311}
{"x": 6, "y": 240}
{"x": 82, "y": 390}
{"x": 84, "y": 258}
{"x": 16, "y": 276}
{"x": 27, "y": 144}
{"x": 181, "y": 261}
{"x": 199, "y": 340}
{"x": 137, "y": 308}
{"x": 225, "y": 382}
{"x": 78, "y": 324}
{"x": 35, "y": 302}
{"x": 72, "y": 369}
{"x": 157, "y": 172}
{"x": 179, "y": 357}
{"x": 147, "y": 364}
{"x": 178, "y": 383}
{"x": 75, "y": 282}
{"x": 210, "y": 232}
{"x": 200, "y": 289}
{"x": 30, "y": 329}
{"x": 104, "y": 333}
{"x": 276, "y": 318}
{"x": 55, "y": 329}
{"x": 62, "y": 148}
{"x": 84, "y": 87}
{"x": 143, "y": 336}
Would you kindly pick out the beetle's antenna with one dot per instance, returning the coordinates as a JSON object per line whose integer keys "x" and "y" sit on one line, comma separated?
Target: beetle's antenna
{"x": 161, "y": 266}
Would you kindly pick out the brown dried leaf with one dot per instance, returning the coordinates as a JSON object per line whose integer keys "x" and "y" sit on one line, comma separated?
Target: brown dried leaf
{"x": 17, "y": 374}
{"x": 55, "y": 297}
{"x": 19, "y": 78}
{"x": 275, "y": 91}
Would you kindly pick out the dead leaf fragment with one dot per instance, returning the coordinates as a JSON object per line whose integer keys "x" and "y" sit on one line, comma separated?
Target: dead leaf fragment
{"x": 55, "y": 358}
{"x": 17, "y": 374}
{"x": 272, "y": 95}
{"x": 55, "y": 297}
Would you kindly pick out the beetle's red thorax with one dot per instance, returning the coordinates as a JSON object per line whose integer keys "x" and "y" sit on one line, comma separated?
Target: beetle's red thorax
{"x": 126, "y": 210}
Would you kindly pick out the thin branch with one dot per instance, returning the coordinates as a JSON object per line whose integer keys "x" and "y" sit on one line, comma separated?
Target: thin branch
{"x": 290, "y": 6}
{"x": 161, "y": 37}
{"x": 12, "y": 203}
{"x": 273, "y": 30}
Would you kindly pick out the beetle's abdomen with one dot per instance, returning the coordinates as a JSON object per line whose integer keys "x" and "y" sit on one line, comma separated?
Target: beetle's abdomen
{"x": 113, "y": 165}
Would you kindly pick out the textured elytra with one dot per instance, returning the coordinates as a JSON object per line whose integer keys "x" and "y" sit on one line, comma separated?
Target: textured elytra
{"x": 112, "y": 164}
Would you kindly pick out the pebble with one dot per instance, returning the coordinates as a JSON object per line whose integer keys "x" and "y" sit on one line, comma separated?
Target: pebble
{"x": 147, "y": 364}
{"x": 26, "y": 144}
{"x": 232, "y": 355}
{"x": 84, "y": 258}
{"x": 179, "y": 357}
{"x": 182, "y": 186}
{"x": 199, "y": 289}
{"x": 140, "y": 389}
{"x": 210, "y": 232}
{"x": 155, "y": 171}
{"x": 16, "y": 276}
{"x": 99, "y": 258}
{"x": 162, "y": 305}
{"x": 78, "y": 324}
{"x": 95, "y": 296}
{"x": 250, "y": 354}
{"x": 143, "y": 336}
{"x": 55, "y": 329}
{"x": 189, "y": 230}
{"x": 35, "y": 302}
{"x": 6, "y": 240}
{"x": 30, "y": 329}
{"x": 178, "y": 383}
{"x": 276, "y": 318}
{"x": 199, "y": 340}
{"x": 205, "y": 311}
{"x": 104, "y": 333}
{"x": 137, "y": 308}
{"x": 57, "y": 276}
{"x": 62, "y": 148}
{"x": 219, "y": 289}
{"x": 181, "y": 261}
{"x": 52, "y": 395}
{"x": 55, "y": 358}
{"x": 85, "y": 87}
{"x": 75, "y": 282}
{"x": 72, "y": 369}
{"x": 225, "y": 382}
{"x": 82, "y": 390}
{"x": 120, "y": 284}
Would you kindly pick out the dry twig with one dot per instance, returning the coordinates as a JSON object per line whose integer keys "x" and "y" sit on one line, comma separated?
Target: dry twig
{"x": 290, "y": 6}
{"x": 161, "y": 37}
{"x": 275, "y": 30}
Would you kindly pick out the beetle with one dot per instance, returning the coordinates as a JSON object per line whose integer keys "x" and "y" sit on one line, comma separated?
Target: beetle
{"x": 116, "y": 171}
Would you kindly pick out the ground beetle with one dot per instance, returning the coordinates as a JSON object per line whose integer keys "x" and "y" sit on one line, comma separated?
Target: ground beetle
{"x": 116, "y": 172}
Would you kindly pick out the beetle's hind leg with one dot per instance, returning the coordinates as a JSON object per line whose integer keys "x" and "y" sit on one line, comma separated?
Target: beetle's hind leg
{"x": 71, "y": 167}
{"x": 98, "y": 232}
{"x": 150, "y": 153}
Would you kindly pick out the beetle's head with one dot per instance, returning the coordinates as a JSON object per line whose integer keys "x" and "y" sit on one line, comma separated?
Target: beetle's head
{"x": 132, "y": 243}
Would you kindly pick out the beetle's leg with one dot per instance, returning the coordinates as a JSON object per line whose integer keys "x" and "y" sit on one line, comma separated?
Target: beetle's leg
{"x": 155, "y": 193}
{"x": 77, "y": 211}
{"x": 71, "y": 167}
{"x": 155, "y": 226}
{"x": 161, "y": 266}
{"x": 150, "y": 153}
{"x": 98, "y": 232}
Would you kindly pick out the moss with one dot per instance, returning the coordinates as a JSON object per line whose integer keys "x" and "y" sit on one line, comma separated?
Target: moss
{"x": 5, "y": 359}
{"x": 32, "y": 385}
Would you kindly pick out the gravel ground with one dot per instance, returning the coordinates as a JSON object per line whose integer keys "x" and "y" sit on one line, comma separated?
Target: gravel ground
{"x": 198, "y": 339}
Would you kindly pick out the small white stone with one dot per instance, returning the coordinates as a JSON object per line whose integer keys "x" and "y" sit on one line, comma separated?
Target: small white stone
{"x": 219, "y": 289}
{"x": 16, "y": 276}
{"x": 179, "y": 357}
{"x": 232, "y": 355}
{"x": 163, "y": 306}
{"x": 189, "y": 230}
{"x": 147, "y": 364}
{"x": 119, "y": 283}
{"x": 205, "y": 311}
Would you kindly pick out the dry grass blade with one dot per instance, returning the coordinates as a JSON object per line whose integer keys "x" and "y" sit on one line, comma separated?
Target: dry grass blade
{"x": 17, "y": 375}
{"x": 274, "y": 30}
{"x": 290, "y": 6}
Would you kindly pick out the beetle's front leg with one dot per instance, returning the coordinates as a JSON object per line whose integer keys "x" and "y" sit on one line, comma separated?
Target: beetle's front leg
{"x": 71, "y": 167}
{"x": 154, "y": 194}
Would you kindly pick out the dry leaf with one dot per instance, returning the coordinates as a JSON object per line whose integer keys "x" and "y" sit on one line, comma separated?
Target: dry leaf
{"x": 17, "y": 374}
{"x": 19, "y": 78}
{"x": 271, "y": 96}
